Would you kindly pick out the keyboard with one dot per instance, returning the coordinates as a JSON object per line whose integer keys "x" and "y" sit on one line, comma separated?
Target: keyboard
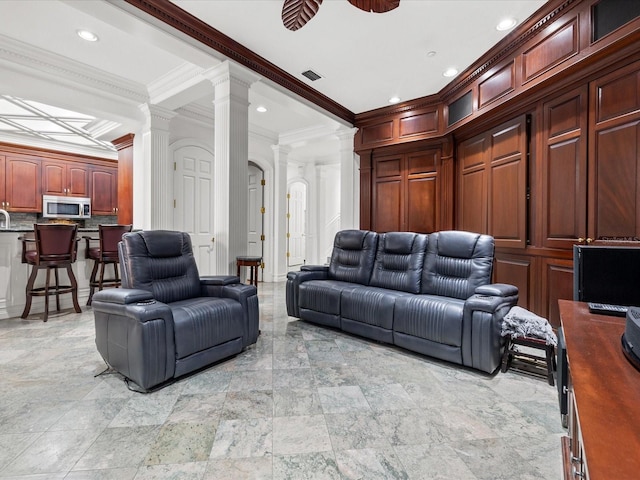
{"x": 606, "y": 309}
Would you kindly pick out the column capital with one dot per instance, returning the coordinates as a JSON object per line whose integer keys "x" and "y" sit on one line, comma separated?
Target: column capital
{"x": 346, "y": 134}
{"x": 157, "y": 117}
{"x": 281, "y": 149}
{"x": 227, "y": 71}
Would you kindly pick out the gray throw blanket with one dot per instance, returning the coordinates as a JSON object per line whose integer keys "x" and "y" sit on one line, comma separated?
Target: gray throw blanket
{"x": 523, "y": 323}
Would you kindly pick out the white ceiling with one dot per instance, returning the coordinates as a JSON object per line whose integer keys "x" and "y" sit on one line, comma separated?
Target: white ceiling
{"x": 364, "y": 58}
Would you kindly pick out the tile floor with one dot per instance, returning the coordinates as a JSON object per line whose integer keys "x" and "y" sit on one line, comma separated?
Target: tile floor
{"x": 304, "y": 403}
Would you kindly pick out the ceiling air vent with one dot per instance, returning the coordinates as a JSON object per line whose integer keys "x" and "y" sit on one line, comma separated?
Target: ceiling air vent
{"x": 311, "y": 75}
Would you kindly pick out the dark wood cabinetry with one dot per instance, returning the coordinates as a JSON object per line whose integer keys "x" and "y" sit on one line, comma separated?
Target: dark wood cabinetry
{"x": 65, "y": 178}
{"x": 492, "y": 183}
{"x": 104, "y": 190}
{"x": 22, "y": 184}
{"x": 406, "y": 192}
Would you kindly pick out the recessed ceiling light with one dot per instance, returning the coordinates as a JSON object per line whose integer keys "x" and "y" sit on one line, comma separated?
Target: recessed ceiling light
{"x": 431, "y": 53}
{"x": 87, "y": 35}
{"x": 394, "y": 99}
{"x": 261, "y": 109}
{"x": 506, "y": 24}
{"x": 450, "y": 72}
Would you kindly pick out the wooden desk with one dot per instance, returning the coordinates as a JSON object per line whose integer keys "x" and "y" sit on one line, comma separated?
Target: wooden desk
{"x": 604, "y": 408}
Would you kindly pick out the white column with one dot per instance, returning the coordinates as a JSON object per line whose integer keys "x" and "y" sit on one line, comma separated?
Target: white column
{"x": 280, "y": 154}
{"x": 231, "y": 139}
{"x": 155, "y": 174}
{"x": 310, "y": 174}
{"x": 349, "y": 191}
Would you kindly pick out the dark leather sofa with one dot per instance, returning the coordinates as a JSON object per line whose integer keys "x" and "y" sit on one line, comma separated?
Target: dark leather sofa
{"x": 168, "y": 321}
{"x": 430, "y": 294}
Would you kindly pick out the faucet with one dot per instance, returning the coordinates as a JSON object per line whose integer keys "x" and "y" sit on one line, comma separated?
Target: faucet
{"x": 7, "y": 221}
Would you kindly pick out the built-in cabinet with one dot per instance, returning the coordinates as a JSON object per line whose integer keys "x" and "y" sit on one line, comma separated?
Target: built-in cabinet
{"x": 492, "y": 183}
{"x": 28, "y": 174}
{"x": 406, "y": 189}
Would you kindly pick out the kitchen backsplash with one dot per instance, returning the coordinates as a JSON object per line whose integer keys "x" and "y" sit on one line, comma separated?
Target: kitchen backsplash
{"x": 26, "y": 220}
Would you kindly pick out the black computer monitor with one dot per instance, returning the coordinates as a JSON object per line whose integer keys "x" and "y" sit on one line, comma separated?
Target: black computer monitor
{"x": 606, "y": 274}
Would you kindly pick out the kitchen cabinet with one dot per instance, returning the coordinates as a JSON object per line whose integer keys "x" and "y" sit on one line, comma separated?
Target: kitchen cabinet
{"x": 104, "y": 190}
{"x": 65, "y": 178}
{"x": 22, "y": 184}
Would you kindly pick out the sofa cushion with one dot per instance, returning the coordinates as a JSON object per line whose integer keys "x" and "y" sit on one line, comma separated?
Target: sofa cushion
{"x": 399, "y": 260}
{"x": 370, "y": 305}
{"x": 352, "y": 256}
{"x": 204, "y": 322}
{"x": 456, "y": 263}
{"x": 434, "y": 318}
{"x": 323, "y": 295}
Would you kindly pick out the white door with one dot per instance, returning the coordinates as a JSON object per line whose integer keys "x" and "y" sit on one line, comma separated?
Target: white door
{"x": 297, "y": 212}
{"x": 193, "y": 209}
{"x": 255, "y": 204}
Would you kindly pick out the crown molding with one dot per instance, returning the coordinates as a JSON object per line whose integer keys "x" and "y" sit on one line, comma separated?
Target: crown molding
{"x": 27, "y": 141}
{"x": 174, "y": 16}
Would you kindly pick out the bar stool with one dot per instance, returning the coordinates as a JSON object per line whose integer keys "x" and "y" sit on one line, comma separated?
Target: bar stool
{"x": 253, "y": 263}
{"x": 107, "y": 253}
{"x": 55, "y": 248}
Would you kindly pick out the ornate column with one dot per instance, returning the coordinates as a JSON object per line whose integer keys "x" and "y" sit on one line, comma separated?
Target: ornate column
{"x": 349, "y": 188}
{"x": 231, "y": 139}
{"x": 280, "y": 153}
{"x": 155, "y": 173}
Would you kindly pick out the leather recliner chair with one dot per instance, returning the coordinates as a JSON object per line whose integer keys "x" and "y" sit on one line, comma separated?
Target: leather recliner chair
{"x": 168, "y": 321}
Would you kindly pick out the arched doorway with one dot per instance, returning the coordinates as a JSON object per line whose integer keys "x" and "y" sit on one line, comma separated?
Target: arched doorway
{"x": 255, "y": 214}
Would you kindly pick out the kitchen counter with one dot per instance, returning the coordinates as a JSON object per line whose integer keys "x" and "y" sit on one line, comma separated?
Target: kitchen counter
{"x": 14, "y": 275}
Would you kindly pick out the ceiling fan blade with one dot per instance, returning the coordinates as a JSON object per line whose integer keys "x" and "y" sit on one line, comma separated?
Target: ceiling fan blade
{"x": 376, "y": 6}
{"x": 296, "y": 13}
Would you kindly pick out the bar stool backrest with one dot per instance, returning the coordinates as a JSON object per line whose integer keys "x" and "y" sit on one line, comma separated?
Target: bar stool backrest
{"x": 110, "y": 236}
{"x": 55, "y": 243}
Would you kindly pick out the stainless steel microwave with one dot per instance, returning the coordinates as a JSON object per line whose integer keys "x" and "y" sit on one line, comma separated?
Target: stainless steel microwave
{"x": 66, "y": 207}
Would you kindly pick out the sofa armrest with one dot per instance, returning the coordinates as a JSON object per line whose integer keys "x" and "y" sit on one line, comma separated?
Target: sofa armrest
{"x": 482, "y": 341}
{"x": 247, "y": 296}
{"x": 294, "y": 279}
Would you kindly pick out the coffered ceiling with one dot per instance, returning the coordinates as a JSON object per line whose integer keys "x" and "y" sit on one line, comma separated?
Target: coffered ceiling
{"x": 364, "y": 59}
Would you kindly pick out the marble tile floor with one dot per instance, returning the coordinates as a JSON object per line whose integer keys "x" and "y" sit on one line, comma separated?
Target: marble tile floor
{"x": 306, "y": 402}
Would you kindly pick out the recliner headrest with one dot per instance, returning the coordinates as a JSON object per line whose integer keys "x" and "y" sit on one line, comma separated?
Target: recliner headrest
{"x": 457, "y": 244}
{"x": 163, "y": 243}
{"x": 350, "y": 239}
{"x": 399, "y": 242}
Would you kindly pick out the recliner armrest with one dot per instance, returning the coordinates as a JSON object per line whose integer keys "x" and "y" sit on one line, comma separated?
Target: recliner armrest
{"x": 219, "y": 280}
{"x": 123, "y": 296}
{"x": 310, "y": 268}
{"x": 497, "y": 289}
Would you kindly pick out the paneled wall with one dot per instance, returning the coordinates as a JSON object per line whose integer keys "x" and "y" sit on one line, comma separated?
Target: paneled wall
{"x": 542, "y": 150}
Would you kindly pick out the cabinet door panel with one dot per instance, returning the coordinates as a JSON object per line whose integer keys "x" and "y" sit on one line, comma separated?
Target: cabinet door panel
{"x": 3, "y": 189}
{"x": 516, "y": 270}
{"x": 421, "y": 204}
{"x": 507, "y": 203}
{"x": 472, "y": 214}
{"x": 103, "y": 191}
{"x": 23, "y": 184}
{"x": 78, "y": 180}
{"x": 564, "y": 170}
{"x": 557, "y": 283}
{"x": 53, "y": 181}
{"x": 617, "y": 172}
{"x": 388, "y": 206}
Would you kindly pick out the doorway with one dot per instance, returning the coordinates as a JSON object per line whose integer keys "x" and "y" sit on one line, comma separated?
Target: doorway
{"x": 296, "y": 223}
{"x": 193, "y": 202}
{"x": 255, "y": 214}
